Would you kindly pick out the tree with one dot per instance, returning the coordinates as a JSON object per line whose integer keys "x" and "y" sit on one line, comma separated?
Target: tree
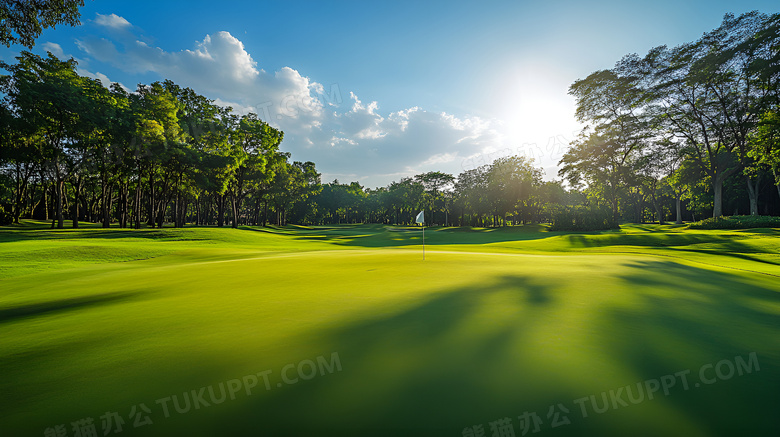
{"x": 511, "y": 183}
{"x": 710, "y": 94}
{"x": 20, "y": 150}
{"x": 255, "y": 141}
{"x": 605, "y": 154}
{"x": 49, "y": 96}
{"x": 764, "y": 146}
{"x": 21, "y": 21}
{"x": 162, "y": 155}
{"x": 435, "y": 182}
{"x": 680, "y": 176}
{"x": 471, "y": 194}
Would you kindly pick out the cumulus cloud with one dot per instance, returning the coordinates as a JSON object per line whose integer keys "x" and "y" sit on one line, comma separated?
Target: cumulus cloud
{"x": 113, "y": 21}
{"x": 103, "y": 79}
{"x": 54, "y": 48}
{"x": 346, "y": 138}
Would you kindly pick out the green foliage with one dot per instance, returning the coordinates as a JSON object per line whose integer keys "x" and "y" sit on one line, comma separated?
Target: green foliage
{"x": 6, "y": 218}
{"x": 737, "y": 222}
{"x": 21, "y": 21}
{"x": 764, "y": 145}
{"x": 581, "y": 218}
{"x": 699, "y": 101}
{"x": 166, "y": 154}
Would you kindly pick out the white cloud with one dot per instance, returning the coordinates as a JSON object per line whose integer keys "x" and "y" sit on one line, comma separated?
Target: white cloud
{"x": 103, "y": 79}
{"x": 54, "y": 48}
{"x": 349, "y": 138}
{"x": 113, "y": 21}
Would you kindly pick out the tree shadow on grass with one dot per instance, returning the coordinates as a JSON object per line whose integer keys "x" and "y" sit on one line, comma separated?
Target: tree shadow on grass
{"x": 422, "y": 371}
{"x": 15, "y": 313}
{"x": 654, "y": 239}
{"x": 371, "y": 236}
{"x": 165, "y": 234}
{"x": 438, "y": 367}
{"x": 721, "y": 245}
{"x": 465, "y": 356}
{"x": 710, "y": 317}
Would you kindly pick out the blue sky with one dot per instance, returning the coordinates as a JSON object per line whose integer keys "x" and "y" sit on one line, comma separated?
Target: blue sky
{"x": 375, "y": 91}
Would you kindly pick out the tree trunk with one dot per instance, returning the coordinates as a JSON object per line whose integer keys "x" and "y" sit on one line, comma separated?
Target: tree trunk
{"x": 236, "y": 205}
{"x": 717, "y": 188}
{"x": 753, "y": 191}
{"x": 678, "y": 207}
{"x": 76, "y": 199}
{"x": 658, "y": 212}
{"x": 176, "y": 212}
{"x": 183, "y": 211}
{"x": 137, "y": 202}
{"x": 105, "y": 207}
{"x": 45, "y": 198}
{"x": 125, "y": 205}
{"x": 196, "y": 213}
{"x": 59, "y": 213}
{"x": 161, "y": 212}
{"x": 637, "y": 208}
{"x": 150, "y": 220}
{"x": 21, "y": 188}
{"x": 220, "y": 210}
{"x": 59, "y": 186}
{"x": 85, "y": 207}
{"x": 615, "y": 208}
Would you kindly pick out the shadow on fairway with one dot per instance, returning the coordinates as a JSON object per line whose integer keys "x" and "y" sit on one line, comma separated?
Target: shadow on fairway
{"x": 76, "y": 303}
{"x": 710, "y": 317}
{"x": 655, "y": 239}
{"x": 416, "y": 372}
{"x": 471, "y": 355}
{"x": 423, "y": 372}
{"x": 721, "y": 245}
{"x": 165, "y": 234}
{"x": 372, "y": 236}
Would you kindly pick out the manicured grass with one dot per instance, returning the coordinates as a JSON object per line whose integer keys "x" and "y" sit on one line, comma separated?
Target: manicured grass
{"x": 493, "y": 324}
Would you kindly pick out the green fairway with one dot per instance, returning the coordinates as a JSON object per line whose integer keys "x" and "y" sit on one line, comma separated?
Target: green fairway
{"x": 346, "y": 331}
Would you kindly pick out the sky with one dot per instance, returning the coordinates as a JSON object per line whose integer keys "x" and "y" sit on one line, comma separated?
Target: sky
{"x": 380, "y": 90}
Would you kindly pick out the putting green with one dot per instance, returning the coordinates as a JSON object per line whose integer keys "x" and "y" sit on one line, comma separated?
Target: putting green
{"x": 346, "y": 331}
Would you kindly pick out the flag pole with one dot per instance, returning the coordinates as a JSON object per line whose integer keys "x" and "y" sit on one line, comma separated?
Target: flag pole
{"x": 423, "y": 241}
{"x": 421, "y": 220}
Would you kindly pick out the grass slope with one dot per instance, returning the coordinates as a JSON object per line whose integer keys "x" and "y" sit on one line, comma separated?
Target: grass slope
{"x": 495, "y": 323}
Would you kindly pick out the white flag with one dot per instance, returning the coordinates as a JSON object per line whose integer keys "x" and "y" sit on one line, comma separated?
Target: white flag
{"x": 420, "y": 217}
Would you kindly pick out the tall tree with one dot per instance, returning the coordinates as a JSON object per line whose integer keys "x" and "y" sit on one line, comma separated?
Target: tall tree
{"x": 605, "y": 155}
{"x": 764, "y": 147}
{"x": 256, "y": 141}
{"x": 711, "y": 95}
{"x": 21, "y": 21}
{"x": 435, "y": 183}
{"x": 48, "y": 95}
{"x": 511, "y": 182}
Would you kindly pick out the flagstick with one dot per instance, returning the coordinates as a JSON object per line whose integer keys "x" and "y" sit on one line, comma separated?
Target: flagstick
{"x": 423, "y": 241}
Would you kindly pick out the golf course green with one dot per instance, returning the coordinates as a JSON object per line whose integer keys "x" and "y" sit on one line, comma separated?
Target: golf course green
{"x": 346, "y": 331}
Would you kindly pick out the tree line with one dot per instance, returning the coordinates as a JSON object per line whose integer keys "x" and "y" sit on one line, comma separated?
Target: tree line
{"x": 677, "y": 134}
{"x": 74, "y": 148}
{"x": 698, "y": 122}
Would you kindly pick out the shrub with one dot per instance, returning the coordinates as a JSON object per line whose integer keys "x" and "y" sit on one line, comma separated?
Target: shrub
{"x": 581, "y": 218}
{"x": 737, "y": 222}
{"x": 5, "y": 217}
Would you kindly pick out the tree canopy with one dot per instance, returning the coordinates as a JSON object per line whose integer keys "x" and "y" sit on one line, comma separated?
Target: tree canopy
{"x": 21, "y": 21}
{"x": 676, "y": 134}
